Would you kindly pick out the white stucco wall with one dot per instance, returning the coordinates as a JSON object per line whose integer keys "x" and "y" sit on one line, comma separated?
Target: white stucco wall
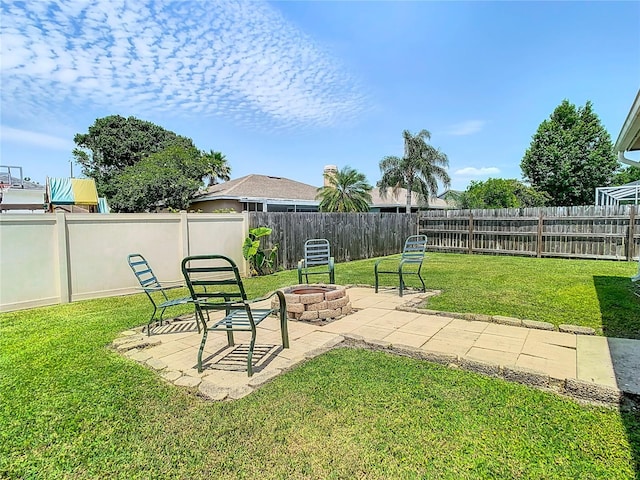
{"x": 57, "y": 258}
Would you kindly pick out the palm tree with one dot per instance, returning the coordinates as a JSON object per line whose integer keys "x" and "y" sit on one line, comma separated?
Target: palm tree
{"x": 218, "y": 168}
{"x": 418, "y": 171}
{"x": 346, "y": 190}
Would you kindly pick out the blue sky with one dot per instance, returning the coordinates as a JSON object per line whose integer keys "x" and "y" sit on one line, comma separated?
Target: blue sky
{"x": 284, "y": 88}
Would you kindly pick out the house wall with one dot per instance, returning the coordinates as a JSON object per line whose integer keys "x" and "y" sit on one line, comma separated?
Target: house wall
{"x": 210, "y": 206}
{"x": 60, "y": 258}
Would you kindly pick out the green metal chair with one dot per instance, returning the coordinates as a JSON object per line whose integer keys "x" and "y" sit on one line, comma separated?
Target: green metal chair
{"x": 156, "y": 292}
{"x": 317, "y": 252}
{"x": 204, "y": 271}
{"x": 412, "y": 254}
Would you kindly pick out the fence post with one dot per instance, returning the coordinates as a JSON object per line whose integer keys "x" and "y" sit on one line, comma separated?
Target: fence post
{"x": 185, "y": 248}
{"x": 539, "y": 238}
{"x": 470, "y": 233}
{"x": 632, "y": 228}
{"x": 63, "y": 258}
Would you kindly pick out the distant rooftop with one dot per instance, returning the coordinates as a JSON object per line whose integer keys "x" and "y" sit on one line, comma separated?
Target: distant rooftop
{"x": 258, "y": 187}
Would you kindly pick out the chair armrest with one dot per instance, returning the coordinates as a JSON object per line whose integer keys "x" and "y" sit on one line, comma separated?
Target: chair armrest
{"x": 388, "y": 260}
{"x": 267, "y": 297}
{"x": 163, "y": 288}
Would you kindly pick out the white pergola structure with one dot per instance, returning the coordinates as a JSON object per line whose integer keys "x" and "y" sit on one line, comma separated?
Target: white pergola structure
{"x": 628, "y": 141}
{"x": 621, "y": 195}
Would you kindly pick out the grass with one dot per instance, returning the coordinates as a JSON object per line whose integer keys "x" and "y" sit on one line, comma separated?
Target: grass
{"x": 72, "y": 408}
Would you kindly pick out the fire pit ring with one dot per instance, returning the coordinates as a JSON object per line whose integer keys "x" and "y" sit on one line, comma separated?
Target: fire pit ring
{"x": 316, "y": 303}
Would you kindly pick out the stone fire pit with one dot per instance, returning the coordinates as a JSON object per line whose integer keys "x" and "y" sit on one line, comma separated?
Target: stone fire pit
{"x": 316, "y": 303}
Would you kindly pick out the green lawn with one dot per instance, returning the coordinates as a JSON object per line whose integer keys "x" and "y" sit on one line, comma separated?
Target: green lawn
{"x": 72, "y": 408}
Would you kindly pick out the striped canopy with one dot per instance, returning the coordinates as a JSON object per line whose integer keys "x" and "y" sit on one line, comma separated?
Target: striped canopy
{"x": 72, "y": 191}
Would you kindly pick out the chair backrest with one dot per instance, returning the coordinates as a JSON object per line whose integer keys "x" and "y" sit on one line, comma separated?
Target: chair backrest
{"x": 317, "y": 251}
{"x": 144, "y": 274}
{"x": 414, "y": 249}
{"x": 204, "y": 271}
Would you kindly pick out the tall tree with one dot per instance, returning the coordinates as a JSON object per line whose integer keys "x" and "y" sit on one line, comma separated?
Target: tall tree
{"x": 138, "y": 165}
{"x": 570, "y": 155}
{"x": 115, "y": 142}
{"x": 346, "y": 190}
{"x": 418, "y": 171}
{"x": 500, "y": 193}
{"x": 218, "y": 168}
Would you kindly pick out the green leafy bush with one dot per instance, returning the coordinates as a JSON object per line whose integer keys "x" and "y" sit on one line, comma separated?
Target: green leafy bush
{"x": 261, "y": 261}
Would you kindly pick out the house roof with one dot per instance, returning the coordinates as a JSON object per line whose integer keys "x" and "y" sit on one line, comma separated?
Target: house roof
{"x": 629, "y": 138}
{"x": 261, "y": 188}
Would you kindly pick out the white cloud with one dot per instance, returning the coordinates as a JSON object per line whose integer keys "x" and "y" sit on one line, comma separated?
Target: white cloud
{"x": 476, "y": 172}
{"x": 16, "y": 135}
{"x": 192, "y": 56}
{"x": 465, "y": 128}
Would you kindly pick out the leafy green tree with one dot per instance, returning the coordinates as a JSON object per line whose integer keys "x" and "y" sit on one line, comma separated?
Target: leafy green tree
{"x": 418, "y": 171}
{"x": 625, "y": 175}
{"x": 138, "y": 165}
{"x": 570, "y": 155}
{"x": 347, "y": 190}
{"x": 115, "y": 142}
{"x": 166, "y": 179}
{"x": 500, "y": 193}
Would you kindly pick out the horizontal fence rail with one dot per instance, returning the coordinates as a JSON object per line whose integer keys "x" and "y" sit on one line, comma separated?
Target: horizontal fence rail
{"x": 595, "y": 232}
{"x": 352, "y": 236}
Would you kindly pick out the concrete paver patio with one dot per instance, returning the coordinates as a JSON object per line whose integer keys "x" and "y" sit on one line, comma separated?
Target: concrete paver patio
{"x": 583, "y": 366}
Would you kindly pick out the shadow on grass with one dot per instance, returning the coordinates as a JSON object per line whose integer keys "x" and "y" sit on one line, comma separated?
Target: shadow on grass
{"x": 619, "y": 307}
{"x": 620, "y": 311}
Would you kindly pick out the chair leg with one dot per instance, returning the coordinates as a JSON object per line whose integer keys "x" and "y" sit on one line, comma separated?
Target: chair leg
{"x": 424, "y": 288}
{"x": 162, "y": 314}
{"x": 375, "y": 271}
{"x": 197, "y": 321}
{"x": 401, "y": 281}
{"x": 153, "y": 315}
{"x": 230, "y": 340}
{"x": 204, "y": 340}
{"x": 250, "y": 354}
{"x": 284, "y": 329}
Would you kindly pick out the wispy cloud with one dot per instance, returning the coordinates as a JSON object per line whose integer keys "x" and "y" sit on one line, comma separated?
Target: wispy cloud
{"x": 465, "y": 128}
{"x": 240, "y": 60}
{"x": 43, "y": 140}
{"x": 476, "y": 172}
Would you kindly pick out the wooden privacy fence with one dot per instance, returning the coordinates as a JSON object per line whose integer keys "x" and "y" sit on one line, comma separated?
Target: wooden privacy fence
{"x": 577, "y": 232}
{"x": 352, "y": 236}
